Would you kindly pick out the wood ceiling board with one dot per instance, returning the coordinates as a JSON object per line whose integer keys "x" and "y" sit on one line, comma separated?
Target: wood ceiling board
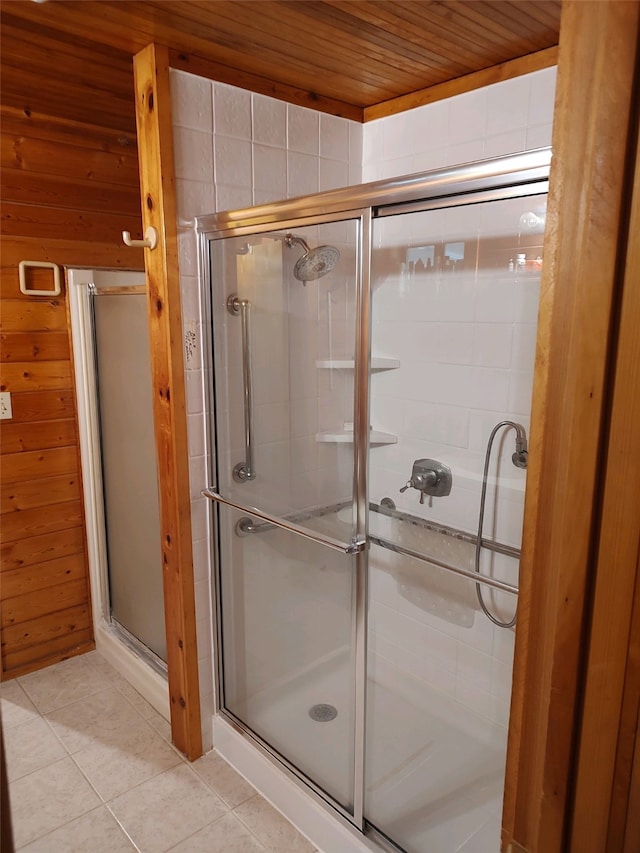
{"x": 290, "y": 62}
{"x": 354, "y": 52}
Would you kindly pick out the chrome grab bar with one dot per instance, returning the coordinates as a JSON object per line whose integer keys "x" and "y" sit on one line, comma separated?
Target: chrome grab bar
{"x": 244, "y": 471}
{"x": 354, "y": 547}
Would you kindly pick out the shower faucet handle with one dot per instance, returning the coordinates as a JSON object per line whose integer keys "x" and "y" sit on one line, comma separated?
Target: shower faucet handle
{"x": 429, "y": 477}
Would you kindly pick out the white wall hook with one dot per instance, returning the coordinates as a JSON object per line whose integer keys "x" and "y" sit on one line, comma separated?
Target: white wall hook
{"x": 150, "y": 239}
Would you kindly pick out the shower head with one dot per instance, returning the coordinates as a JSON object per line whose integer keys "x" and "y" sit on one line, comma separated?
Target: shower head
{"x": 315, "y": 262}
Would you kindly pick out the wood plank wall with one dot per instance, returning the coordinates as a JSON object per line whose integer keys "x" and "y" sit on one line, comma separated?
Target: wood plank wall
{"x": 69, "y": 186}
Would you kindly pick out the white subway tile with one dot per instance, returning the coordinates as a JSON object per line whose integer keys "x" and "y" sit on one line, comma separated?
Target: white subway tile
{"x": 270, "y": 170}
{"x": 465, "y": 152}
{"x": 194, "y": 389}
{"x": 508, "y": 105}
{"x": 456, "y": 299}
{"x": 334, "y": 137}
{"x": 232, "y": 198}
{"x": 437, "y": 423}
{"x": 232, "y": 159}
{"x": 520, "y": 390}
{"x": 193, "y": 155}
{"x": 303, "y": 174}
{"x": 524, "y": 346}
{"x": 269, "y": 121}
{"x": 303, "y": 129}
{"x": 430, "y": 159}
{"x": 539, "y": 136}
{"x": 191, "y": 101}
{"x": 396, "y": 167}
{"x": 201, "y": 559}
{"x": 431, "y": 127}
{"x": 473, "y": 666}
{"x": 509, "y": 142}
{"x": 542, "y": 96}
{"x": 196, "y": 426}
{"x": 194, "y": 198}
{"x": 232, "y": 111}
{"x": 199, "y": 518}
{"x": 190, "y": 299}
{"x": 467, "y": 117}
{"x": 372, "y": 142}
{"x": 333, "y": 174}
{"x": 455, "y": 343}
{"x": 356, "y": 133}
{"x": 492, "y": 344}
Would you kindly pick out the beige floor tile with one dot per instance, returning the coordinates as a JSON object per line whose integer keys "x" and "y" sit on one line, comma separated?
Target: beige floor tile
{"x": 95, "y": 832}
{"x": 165, "y": 810}
{"x": 30, "y": 747}
{"x": 226, "y": 835}
{"x": 16, "y": 707}
{"x": 229, "y": 785}
{"x": 271, "y": 828}
{"x": 103, "y": 717}
{"x": 139, "y": 754}
{"x": 59, "y": 685}
{"x": 141, "y": 705}
{"x": 47, "y": 799}
{"x": 162, "y": 726}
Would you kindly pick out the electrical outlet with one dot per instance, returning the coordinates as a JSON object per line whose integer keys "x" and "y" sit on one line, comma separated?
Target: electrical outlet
{"x": 5, "y": 405}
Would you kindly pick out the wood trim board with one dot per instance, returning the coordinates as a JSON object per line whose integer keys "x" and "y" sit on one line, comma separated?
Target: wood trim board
{"x": 157, "y": 185}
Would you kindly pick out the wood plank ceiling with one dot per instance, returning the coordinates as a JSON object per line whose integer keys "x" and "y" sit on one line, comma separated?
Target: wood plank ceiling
{"x": 340, "y": 56}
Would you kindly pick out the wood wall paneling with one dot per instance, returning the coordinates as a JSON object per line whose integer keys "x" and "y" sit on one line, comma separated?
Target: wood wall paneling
{"x": 69, "y": 185}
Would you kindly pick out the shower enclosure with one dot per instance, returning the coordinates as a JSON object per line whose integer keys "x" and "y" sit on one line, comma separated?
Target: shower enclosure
{"x": 371, "y": 370}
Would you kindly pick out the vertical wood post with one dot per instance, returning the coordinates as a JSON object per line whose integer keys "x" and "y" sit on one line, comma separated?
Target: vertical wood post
{"x": 580, "y": 287}
{"x": 157, "y": 186}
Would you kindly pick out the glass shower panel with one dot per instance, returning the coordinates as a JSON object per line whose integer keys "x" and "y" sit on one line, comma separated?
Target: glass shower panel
{"x": 284, "y": 369}
{"x": 284, "y": 329}
{"x": 129, "y": 472}
{"x": 454, "y": 309}
{"x": 287, "y": 656}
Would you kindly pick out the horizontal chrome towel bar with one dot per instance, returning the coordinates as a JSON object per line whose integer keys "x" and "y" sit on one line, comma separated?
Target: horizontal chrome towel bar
{"x": 347, "y": 548}
{"x": 466, "y": 573}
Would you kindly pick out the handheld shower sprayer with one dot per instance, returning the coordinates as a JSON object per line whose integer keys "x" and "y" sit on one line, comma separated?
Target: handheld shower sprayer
{"x": 521, "y": 455}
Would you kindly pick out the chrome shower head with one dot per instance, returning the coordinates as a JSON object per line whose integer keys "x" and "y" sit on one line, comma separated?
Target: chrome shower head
{"x": 315, "y": 262}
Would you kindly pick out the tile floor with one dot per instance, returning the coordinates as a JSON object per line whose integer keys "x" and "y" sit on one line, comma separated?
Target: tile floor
{"x": 91, "y": 768}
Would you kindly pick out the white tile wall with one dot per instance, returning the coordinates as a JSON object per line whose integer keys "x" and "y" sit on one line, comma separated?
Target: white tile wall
{"x": 466, "y": 349}
{"x": 234, "y": 149}
{"x": 500, "y": 119}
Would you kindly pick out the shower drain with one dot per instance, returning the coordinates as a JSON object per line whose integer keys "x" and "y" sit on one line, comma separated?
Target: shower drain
{"x": 323, "y": 713}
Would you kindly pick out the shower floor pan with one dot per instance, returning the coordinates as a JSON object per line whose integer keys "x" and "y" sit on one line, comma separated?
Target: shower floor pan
{"x": 435, "y": 772}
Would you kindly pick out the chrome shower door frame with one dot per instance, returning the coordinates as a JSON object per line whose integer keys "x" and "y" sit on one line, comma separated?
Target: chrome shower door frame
{"x": 505, "y": 177}
{"x": 210, "y": 228}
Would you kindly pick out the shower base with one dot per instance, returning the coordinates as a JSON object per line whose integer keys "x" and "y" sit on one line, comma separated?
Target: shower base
{"x": 435, "y": 772}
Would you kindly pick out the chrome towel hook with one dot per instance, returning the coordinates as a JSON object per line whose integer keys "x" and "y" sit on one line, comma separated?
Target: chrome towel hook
{"x": 150, "y": 239}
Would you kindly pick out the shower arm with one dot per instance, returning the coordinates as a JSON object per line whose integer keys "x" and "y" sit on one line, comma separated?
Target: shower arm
{"x": 245, "y": 471}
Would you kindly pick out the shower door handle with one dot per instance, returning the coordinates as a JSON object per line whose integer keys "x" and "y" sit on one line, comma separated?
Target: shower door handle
{"x": 354, "y": 547}
{"x": 244, "y": 471}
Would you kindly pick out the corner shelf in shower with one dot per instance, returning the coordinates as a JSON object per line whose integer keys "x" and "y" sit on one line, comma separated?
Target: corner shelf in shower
{"x": 348, "y": 364}
{"x": 376, "y": 437}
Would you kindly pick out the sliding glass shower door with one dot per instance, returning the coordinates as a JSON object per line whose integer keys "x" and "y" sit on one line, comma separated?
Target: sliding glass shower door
{"x": 372, "y": 390}
{"x": 289, "y": 531}
{"x": 454, "y": 310}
